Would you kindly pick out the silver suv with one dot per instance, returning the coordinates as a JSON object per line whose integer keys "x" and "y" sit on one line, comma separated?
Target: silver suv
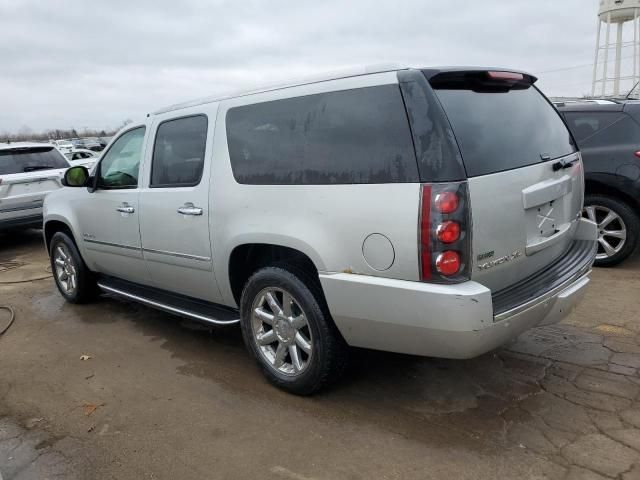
{"x": 28, "y": 172}
{"x": 431, "y": 212}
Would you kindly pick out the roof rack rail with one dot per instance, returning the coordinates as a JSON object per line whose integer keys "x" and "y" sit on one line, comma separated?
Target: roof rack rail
{"x": 325, "y": 77}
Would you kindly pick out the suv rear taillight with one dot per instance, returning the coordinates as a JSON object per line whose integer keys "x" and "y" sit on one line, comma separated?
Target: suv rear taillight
{"x": 445, "y": 233}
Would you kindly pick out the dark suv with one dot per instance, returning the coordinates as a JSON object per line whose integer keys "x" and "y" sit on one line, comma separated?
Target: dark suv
{"x": 608, "y": 135}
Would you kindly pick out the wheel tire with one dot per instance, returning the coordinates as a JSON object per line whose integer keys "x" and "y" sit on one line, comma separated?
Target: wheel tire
{"x": 631, "y": 224}
{"x": 85, "y": 289}
{"x": 329, "y": 351}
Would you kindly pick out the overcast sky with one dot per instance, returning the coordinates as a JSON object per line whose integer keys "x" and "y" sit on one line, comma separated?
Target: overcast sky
{"x": 93, "y": 64}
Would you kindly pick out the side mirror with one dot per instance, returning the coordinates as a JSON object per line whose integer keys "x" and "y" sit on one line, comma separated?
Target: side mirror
{"x": 76, "y": 177}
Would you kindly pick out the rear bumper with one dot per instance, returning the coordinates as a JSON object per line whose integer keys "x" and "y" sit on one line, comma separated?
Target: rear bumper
{"x": 32, "y": 220}
{"x": 450, "y": 321}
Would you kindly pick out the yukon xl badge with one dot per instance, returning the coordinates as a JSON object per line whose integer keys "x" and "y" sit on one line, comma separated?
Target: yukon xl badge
{"x": 500, "y": 261}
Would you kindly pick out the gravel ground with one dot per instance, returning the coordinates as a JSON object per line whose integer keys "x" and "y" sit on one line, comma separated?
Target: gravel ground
{"x": 164, "y": 398}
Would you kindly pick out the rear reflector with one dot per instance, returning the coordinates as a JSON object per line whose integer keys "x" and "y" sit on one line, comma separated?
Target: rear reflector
{"x": 448, "y": 263}
{"x": 510, "y": 76}
{"x": 637, "y": 154}
{"x": 425, "y": 232}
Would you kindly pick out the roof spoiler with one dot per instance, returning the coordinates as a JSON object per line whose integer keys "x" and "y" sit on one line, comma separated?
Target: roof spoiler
{"x": 481, "y": 79}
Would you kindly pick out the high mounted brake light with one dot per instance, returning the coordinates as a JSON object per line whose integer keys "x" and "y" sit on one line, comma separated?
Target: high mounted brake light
{"x": 509, "y": 76}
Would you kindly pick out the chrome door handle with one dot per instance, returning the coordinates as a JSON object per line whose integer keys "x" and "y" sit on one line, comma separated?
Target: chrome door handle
{"x": 189, "y": 209}
{"x": 125, "y": 208}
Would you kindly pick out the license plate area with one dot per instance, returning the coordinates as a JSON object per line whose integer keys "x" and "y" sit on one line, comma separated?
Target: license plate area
{"x": 35, "y": 186}
{"x": 545, "y": 220}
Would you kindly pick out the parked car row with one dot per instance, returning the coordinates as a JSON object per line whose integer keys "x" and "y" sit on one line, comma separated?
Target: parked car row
{"x": 429, "y": 211}
{"x": 95, "y": 144}
{"x": 79, "y": 156}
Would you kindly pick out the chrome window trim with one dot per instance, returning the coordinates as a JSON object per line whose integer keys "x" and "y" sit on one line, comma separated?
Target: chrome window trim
{"x": 109, "y": 244}
{"x": 179, "y": 255}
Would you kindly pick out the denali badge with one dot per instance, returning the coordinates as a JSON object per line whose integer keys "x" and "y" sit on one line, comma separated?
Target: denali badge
{"x": 500, "y": 261}
{"x": 485, "y": 255}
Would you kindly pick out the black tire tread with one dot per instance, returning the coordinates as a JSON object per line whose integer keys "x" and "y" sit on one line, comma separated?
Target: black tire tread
{"x": 336, "y": 350}
{"x": 87, "y": 290}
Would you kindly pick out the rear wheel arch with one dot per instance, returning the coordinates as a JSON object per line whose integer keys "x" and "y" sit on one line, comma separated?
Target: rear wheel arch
{"x": 595, "y": 187}
{"x": 248, "y": 258}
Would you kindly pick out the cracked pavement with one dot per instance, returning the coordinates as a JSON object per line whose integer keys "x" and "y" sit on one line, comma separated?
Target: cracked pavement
{"x": 164, "y": 398}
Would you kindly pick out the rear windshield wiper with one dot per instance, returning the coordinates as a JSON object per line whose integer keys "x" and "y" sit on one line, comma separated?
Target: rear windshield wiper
{"x": 33, "y": 168}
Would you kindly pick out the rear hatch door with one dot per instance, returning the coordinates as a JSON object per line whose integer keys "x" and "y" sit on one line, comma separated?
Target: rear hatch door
{"x": 524, "y": 172}
{"x": 27, "y": 174}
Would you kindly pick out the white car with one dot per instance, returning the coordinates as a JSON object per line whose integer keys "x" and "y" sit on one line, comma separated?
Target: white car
{"x": 28, "y": 171}
{"x": 63, "y": 145}
{"x": 81, "y": 156}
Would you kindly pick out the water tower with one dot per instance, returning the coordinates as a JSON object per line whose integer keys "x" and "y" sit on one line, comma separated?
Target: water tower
{"x": 618, "y": 75}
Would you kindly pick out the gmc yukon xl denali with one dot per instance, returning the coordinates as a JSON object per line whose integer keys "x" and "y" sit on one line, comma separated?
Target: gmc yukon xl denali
{"x": 431, "y": 212}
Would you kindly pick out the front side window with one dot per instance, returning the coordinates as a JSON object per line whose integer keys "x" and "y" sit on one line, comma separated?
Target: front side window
{"x": 178, "y": 153}
{"x": 342, "y": 137}
{"x": 121, "y": 164}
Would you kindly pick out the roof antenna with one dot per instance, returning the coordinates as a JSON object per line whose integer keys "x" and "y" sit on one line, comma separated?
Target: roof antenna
{"x": 631, "y": 91}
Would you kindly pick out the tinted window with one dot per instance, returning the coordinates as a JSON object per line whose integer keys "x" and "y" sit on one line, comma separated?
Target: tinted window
{"x": 623, "y": 132}
{"x": 178, "y": 154}
{"x": 504, "y": 129}
{"x": 586, "y": 124}
{"x": 120, "y": 166}
{"x": 20, "y": 160}
{"x": 353, "y": 136}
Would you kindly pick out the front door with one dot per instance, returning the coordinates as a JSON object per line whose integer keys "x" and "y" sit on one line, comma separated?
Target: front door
{"x": 109, "y": 215}
{"x": 174, "y": 220}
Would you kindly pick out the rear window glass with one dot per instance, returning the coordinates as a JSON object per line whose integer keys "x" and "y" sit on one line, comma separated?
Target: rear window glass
{"x": 586, "y": 124}
{"x": 21, "y": 160}
{"x": 352, "y": 136}
{"x": 504, "y": 129}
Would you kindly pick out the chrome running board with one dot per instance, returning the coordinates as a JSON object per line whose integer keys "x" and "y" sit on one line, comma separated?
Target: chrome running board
{"x": 176, "y": 304}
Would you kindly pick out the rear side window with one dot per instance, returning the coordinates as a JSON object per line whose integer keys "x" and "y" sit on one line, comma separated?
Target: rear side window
{"x": 21, "y": 160}
{"x": 178, "y": 153}
{"x": 503, "y": 129}
{"x": 345, "y": 137}
{"x": 585, "y": 125}
{"x": 623, "y": 130}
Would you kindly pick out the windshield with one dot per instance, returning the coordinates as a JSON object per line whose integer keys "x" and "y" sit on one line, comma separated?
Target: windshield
{"x": 503, "y": 129}
{"x": 20, "y": 160}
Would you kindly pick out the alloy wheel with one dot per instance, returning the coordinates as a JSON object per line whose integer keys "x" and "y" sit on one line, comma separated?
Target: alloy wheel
{"x": 612, "y": 231}
{"x": 65, "y": 269}
{"x": 281, "y": 331}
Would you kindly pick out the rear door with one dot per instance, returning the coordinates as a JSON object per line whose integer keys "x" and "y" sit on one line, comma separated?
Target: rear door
{"x": 174, "y": 208}
{"x": 524, "y": 173}
{"x": 27, "y": 174}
